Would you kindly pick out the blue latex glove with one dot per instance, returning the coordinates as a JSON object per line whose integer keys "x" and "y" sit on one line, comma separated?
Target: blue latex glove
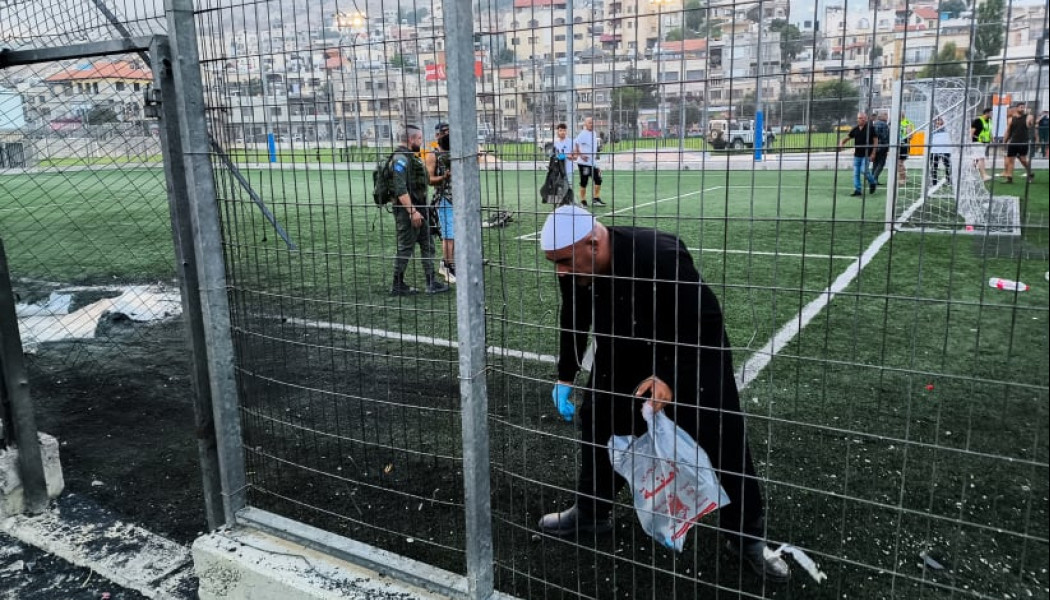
{"x": 561, "y": 156}
{"x": 560, "y": 394}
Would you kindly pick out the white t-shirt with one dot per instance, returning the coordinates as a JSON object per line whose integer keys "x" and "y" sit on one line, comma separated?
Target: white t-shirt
{"x": 588, "y": 145}
{"x": 940, "y": 142}
{"x": 565, "y": 147}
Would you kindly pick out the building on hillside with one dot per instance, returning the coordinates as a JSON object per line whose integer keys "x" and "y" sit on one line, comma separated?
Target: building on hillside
{"x": 112, "y": 91}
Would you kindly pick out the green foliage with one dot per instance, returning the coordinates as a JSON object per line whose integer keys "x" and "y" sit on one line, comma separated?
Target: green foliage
{"x": 679, "y": 34}
{"x": 790, "y": 38}
{"x": 988, "y": 39}
{"x": 636, "y": 92}
{"x": 834, "y": 101}
{"x": 100, "y": 114}
{"x": 694, "y": 15}
{"x": 692, "y": 115}
{"x": 505, "y": 56}
{"x": 952, "y": 7}
{"x": 945, "y": 63}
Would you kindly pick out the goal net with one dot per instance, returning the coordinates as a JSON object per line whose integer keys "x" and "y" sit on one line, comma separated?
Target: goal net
{"x": 939, "y": 185}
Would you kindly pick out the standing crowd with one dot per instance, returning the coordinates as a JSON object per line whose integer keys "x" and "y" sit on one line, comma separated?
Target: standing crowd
{"x": 1022, "y": 134}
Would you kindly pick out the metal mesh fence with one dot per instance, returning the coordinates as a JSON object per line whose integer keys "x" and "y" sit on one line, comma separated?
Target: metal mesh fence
{"x": 895, "y": 402}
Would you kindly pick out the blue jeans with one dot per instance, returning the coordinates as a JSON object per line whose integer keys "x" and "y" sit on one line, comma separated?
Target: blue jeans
{"x": 860, "y": 165}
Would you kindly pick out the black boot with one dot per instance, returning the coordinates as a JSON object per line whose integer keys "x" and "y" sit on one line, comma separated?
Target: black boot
{"x": 400, "y": 288}
{"x": 434, "y": 286}
{"x": 572, "y": 521}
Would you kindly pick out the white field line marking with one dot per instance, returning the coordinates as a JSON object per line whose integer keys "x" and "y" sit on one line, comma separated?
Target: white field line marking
{"x": 765, "y": 253}
{"x": 761, "y": 358}
{"x": 745, "y": 375}
{"x": 532, "y": 236}
{"x": 421, "y": 339}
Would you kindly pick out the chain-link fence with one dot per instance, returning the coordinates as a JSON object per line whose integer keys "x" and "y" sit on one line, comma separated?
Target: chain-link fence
{"x": 891, "y": 403}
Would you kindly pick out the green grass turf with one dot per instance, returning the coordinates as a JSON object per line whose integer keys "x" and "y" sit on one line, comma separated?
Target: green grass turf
{"x": 865, "y": 465}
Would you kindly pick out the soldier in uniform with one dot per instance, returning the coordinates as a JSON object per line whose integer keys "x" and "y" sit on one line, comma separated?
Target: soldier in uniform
{"x": 439, "y": 169}
{"x": 410, "y": 186}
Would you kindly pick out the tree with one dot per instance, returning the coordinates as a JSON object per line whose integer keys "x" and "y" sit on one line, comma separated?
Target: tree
{"x": 694, "y": 15}
{"x": 944, "y": 64}
{"x": 692, "y": 114}
{"x": 100, "y": 114}
{"x": 952, "y": 7}
{"x": 988, "y": 41}
{"x": 505, "y": 56}
{"x": 679, "y": 34}
{"x": 834, "y": 101}
{"x": 636, "y": 92}
{"x": 790, "y": 38}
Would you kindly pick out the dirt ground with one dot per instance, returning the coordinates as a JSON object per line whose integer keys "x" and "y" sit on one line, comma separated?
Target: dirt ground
{"x": 120, "y": 406}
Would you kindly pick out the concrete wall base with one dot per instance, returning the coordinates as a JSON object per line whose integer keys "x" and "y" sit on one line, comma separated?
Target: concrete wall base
{"x": 12, "y": 500}
{"x": 246, "y": 564}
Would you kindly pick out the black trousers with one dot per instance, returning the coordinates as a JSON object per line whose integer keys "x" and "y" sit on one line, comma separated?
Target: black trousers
{"x": 717, "y": 424}
{"x": 937, "y": 158}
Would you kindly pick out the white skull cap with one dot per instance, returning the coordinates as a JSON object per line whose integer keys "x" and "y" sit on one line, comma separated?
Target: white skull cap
{"x": 566, "y": 226}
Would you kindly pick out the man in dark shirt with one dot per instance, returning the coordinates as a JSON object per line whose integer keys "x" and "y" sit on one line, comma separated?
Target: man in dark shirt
{"x": 1017, "y": 126}
{"x": 865, "y": 144}
{"x": 410, "y": 180}
{"x": 881, "y": 127}
{"x": 658, "y": 337}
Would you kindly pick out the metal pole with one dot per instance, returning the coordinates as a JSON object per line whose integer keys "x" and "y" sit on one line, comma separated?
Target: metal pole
{"x": 189, "y": 281}
{"x": 17, "y": 399}
{"x": 470, "y": 299}
{"x": 570, "y": 75}
{"x": 208, "y": 250}
{"x": 759, "y": 113}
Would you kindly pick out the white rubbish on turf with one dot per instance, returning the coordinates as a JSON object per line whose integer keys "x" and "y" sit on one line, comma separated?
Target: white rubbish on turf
{"x": 51, "y": 321}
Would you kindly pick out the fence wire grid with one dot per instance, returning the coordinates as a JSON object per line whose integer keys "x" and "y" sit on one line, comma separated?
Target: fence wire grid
{"x": 894, "y": 385}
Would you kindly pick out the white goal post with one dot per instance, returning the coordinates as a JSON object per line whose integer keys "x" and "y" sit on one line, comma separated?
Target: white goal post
{"x": 940, "y": 188}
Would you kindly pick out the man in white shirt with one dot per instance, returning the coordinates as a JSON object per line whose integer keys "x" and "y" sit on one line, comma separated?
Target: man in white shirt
{"x": 940, "y": 150}
{"x": 563, "y": 149}
{"x": 587, "y": 158}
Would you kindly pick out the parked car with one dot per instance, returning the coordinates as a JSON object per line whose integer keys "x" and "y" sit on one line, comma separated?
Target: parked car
{"x": 799, "y": 129}
{"x": 652, "y": 133}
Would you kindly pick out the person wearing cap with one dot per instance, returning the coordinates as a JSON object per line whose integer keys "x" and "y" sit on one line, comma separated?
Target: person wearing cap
{"x": 439, "y": 169}
{"x": 659, "y": 337}
{"x": 410, "y": 188}
{"x": 1017, "y": 126}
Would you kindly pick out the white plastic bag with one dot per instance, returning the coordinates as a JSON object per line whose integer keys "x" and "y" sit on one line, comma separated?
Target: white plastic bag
{"x": 671, "y": 478}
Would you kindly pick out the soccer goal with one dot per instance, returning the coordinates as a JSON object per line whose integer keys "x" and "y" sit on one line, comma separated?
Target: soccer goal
{"x": 939, "y": 187}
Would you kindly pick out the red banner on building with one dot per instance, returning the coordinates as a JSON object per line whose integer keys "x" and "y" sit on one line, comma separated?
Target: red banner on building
{"x": 437, "y": 72}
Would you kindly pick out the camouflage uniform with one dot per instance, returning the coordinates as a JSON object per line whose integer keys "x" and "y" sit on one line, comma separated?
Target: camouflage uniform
{"x": 443, "y": 195}
{"x": 410, "y": 177}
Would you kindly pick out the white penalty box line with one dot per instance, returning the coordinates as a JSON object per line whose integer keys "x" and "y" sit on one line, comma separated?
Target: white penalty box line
{"x": 535, "y": 234}
{"x": 746, "y": 374}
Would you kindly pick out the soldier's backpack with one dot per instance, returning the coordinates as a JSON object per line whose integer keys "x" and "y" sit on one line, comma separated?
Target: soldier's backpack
{"x": 383, "y": 182}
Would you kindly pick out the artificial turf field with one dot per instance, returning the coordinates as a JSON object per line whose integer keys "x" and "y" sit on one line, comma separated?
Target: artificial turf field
{"x": 909, "y": 415}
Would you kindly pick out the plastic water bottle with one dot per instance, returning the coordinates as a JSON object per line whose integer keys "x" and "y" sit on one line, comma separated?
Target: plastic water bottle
{"x": 1007, "y": 284}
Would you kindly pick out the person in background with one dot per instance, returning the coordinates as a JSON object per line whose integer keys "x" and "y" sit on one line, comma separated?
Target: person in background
{"x": 1042, "y": 133}
{"x": 940, "y": 151}
{"x": 882, "y": 132}
{"x": 439, "y": 170}
{"x": 410, "y": 190}
{"x": 864, "y": 146}
{"x": 981, "y": 137}
{"x": 659, "y": 338}
{"x": 904, "y": 138}
{"x": 586, "y": 153}
{"x": 564, "y": 149}
{"x": 1017, "y": 142}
